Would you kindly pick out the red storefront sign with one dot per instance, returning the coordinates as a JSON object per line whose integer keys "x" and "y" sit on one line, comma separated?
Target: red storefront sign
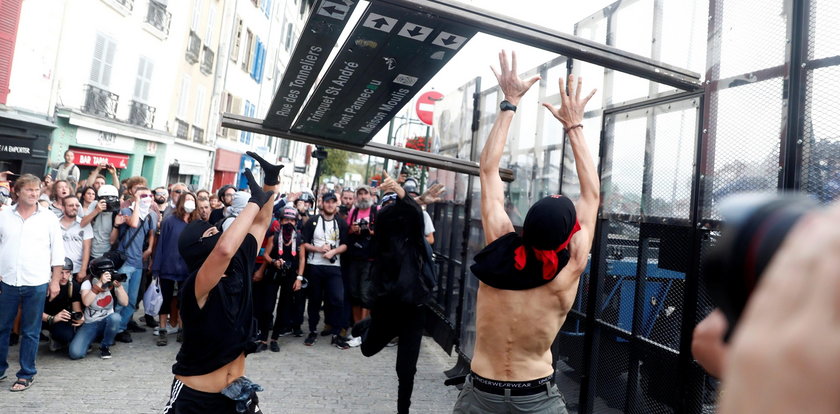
{"x": 94, "y": 158}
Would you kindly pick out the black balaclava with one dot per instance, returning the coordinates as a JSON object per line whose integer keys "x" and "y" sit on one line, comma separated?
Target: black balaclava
{"x": 193, "y": 248}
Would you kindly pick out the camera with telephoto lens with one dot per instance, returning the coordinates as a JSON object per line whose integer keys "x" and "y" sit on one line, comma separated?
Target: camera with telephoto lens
{"x": 754, "y": 227}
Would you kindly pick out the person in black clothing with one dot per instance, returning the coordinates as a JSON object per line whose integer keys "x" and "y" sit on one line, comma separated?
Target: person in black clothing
{"x": 217, "y": 307}
{"x": 58, "y": 313}
{"x": 285, "y": 258}
{"x": 398, "y": 289}
{"x": 225, "y": 195}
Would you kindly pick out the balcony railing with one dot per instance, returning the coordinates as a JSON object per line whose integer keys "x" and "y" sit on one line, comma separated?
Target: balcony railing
{"x": 182, "y": 129}
{"x": 198, "y": 134}
{"x": 128, "y": 4}
{"x": 207, "y": 61}
{"x": 100, "y": 102}
{"x": 141, "y": 114}
{"x": 193, "y": 47}
{"x": 158, "y": 16}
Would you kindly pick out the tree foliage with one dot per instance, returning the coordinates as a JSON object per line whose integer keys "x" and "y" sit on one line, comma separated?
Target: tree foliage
{"x": 335, "y": 164}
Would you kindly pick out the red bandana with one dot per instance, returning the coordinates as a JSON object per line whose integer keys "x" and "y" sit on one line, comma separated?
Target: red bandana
{"x": 547, "y": 257}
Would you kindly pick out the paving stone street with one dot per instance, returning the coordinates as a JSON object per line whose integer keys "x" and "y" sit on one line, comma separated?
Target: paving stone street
{"x": 298, "y": 379}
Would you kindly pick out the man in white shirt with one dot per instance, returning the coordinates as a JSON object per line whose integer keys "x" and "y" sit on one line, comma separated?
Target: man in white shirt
{"x": 30, "y": 249}
{"x": 77, "y": 238}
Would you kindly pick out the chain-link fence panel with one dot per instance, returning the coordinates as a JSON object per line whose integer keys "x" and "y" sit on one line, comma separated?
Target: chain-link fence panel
{"x": 820, "y": 168}
{"x": 744, "y": 148}
{"x": 823, "y": 28}
{"x": 752, "y": 36}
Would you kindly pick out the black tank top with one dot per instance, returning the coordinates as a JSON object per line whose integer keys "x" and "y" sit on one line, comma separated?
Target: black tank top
{"x": 219, "y": 332}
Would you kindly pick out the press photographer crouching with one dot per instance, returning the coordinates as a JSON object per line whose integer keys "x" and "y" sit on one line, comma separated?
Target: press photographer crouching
{"x": 63, "y": 314}
{"x": 100, "y": 320}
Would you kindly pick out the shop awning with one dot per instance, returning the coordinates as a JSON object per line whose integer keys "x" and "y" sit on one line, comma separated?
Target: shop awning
{"x": 94, "y": 158}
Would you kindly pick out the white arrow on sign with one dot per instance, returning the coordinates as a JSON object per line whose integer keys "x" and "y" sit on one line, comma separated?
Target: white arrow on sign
{"x": 415, "y": 32}
{"x": 335, "y": 10}
{"x": 380, "y": 22}
{"x": 449, "y": 40}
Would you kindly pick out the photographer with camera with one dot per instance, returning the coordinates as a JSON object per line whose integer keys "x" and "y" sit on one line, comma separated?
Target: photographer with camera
{"x": 100, "y": 319}
{"x": 63, "y": 314}
{"x": 284, "y": 256}
{"x": 102, "y": 216}
{"x": 96, "y": 180}
{"x": 136, "y": 242}
{"x": 360, "y": 252}
{"x": 324, "y": 240}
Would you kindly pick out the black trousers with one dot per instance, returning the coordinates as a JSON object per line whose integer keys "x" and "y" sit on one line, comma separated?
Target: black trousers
{"x": 326, "y": 285}
{"x": 265, "y": 296}
{"x": 185, "y": 400}
{"x": 389, "y": 320}
{"x": 290, "y": 307}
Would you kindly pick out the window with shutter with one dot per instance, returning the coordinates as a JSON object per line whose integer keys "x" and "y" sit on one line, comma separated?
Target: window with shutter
{"x": 208, "y": 37}
{"x": 196, "y": 15}
{"x": 234, "y": 52}
{"x": 103, "y": 61}
{"x": 144, "y": 80}
{"x": 288, "y": 36}
{"x": 183, "y": 99}
{"x": 198, "y": 119}
{"x": 247, "y": 59}
{"x": 9, "y": 17}
{"x": 236, "y": 108}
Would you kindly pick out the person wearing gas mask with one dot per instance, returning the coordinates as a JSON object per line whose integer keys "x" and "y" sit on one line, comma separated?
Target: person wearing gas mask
{"x": 63, "y": 314}
{"x": 99, "y": 296}
{"x": 304, "y": 205}
{"x": 131, "y": 240}
{"x": 284, "y": 257}
{"x": 217, "y": 307}
{"x": 168, "y": 263}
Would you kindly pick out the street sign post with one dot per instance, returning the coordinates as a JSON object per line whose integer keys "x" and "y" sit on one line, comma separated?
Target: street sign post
{"x": 425, "y": 107}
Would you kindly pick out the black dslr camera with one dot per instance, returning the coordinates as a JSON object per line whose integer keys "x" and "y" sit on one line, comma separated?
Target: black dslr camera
{"x": 334, "y": 258}
{"x": 75, "y": 316}
{"x": 364, "y": 228}
{"x": 112, "y": 203}
{"x": 755, "y": 225}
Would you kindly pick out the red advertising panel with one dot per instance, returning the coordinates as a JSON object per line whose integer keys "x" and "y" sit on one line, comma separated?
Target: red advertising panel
{"x": 94, "y": 158}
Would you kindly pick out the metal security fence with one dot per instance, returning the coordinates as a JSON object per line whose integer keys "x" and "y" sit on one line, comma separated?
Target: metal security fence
{"x": 765, "y": 120}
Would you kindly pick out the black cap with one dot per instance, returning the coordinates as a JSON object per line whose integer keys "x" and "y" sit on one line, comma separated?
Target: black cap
{"x": 329, "y": 196}
{"x": 68, "y": 264}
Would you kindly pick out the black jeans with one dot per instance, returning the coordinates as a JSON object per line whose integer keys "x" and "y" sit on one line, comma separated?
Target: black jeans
{"x": 326, "y": 284}
{"x": 393, "y": 319}
{"x": 265, "y": 296}
{"x": 289, "y": 314}
{"x": 61, "y": 332}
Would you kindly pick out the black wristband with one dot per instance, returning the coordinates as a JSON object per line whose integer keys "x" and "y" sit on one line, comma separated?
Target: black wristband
{"x": 507, "y": 106}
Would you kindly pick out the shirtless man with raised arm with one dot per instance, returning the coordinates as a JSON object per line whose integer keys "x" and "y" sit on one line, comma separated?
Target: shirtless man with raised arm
{"x": 529, "y": 282}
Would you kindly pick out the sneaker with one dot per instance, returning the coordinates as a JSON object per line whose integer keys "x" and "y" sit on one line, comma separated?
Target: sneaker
{"x": 172, "y": 329}
{"x": 339, "y": 342}
{"x": 297, "y": 333}
{"x": 274, "y": 346}
{"x": 104, "y": 352}
{"x": 162, "y": 339}
{"x": 354, "y": 341}
{"x": 310, "y": 339}
{"x": 360, "y": 327}
{"x": 124, "y": 336}
{"x": 394, "y": 342}
{"x": 285, "y": 332}
{"x": 180, "y": 337}
{"x": 134, "y": 327}
{"x": 150, "y": 321}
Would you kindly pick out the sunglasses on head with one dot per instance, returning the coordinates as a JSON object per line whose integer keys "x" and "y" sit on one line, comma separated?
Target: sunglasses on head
{"x": 178, "y": 191}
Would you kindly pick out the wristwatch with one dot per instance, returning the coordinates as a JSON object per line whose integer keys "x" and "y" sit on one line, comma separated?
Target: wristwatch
{"x": 507, "y": 106}
{"x": 299, "y": 277}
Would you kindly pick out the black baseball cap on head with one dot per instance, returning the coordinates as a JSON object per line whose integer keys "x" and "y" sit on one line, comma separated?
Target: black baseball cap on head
{"x": 329, "y": 196}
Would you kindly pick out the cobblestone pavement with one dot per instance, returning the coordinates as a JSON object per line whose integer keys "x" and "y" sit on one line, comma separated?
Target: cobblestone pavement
{"x": 298, "y": 379}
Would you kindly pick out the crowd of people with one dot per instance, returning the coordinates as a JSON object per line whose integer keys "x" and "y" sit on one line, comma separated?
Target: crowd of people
{"x": 109, "y": 242}
{"x": 238, "y": 269}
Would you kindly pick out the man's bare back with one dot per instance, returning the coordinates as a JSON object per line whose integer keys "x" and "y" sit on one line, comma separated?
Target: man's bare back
{"x": 515, "y": 328}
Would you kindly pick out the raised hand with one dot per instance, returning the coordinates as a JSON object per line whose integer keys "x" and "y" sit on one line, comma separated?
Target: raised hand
{"x": 391, "y": 185}
{"x": 272, "y": 171}
{"x": 433, "y": 194}
{"x": 258, "y": 196}
{"x": 570, "y": 112}
{"x": 512, "y": 86}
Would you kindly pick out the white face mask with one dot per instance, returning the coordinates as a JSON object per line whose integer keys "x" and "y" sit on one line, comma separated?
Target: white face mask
{"x": 145, "y": 203}
{"x": 189, "y": 206}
